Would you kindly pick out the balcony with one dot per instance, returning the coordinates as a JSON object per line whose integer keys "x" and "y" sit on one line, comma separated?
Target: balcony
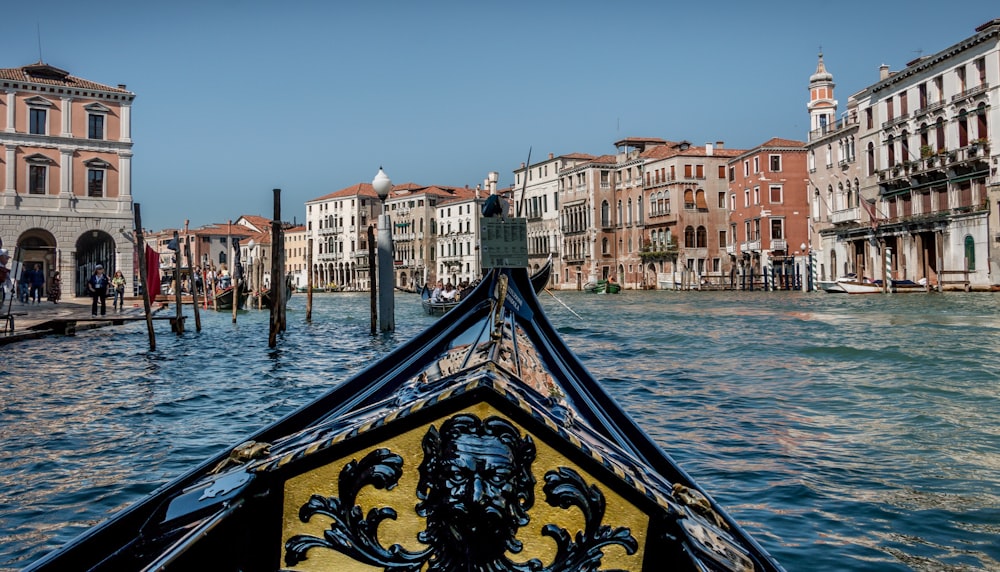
{"x": 970, "y": 93}
{"x": 779, "y": 244}
{"x": 895, "y": 121}
{"x": 731, "y": 249}
{"x": 750, "y": 246}
{"x": 845, "y": 216}
{"x": 830, "y": 129}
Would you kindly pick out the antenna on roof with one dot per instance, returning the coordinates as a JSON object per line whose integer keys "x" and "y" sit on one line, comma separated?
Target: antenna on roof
{"x": 38, "y": 30}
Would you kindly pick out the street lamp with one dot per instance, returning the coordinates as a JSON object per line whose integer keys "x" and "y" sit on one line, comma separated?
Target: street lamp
{"x": 383, "y": 185}
{"x": 808, "y": 282}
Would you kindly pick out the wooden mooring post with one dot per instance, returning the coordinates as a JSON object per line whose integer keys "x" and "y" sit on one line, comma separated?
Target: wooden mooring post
{"x": 194, "y": 286}
{"x": 309, "y": 282}
{"x": 144, "y": 276}
{"x": 179, "y": 325}
{"x": 278, "y": 295}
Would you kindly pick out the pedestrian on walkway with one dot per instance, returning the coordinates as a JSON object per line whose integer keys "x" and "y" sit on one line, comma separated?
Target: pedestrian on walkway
{"x": 97, "y": 285}
{"x": 55, "y": 288}
{"x": 118, "y": 290}
{"x": 6, "y": 284}
{"x": 37, "y": 283}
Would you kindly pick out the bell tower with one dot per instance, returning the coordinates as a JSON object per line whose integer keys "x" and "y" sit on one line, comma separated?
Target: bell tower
{"x": 822, "y": 106}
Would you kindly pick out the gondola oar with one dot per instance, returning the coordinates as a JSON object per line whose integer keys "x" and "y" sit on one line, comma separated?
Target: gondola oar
{"x": 563, "y": 304}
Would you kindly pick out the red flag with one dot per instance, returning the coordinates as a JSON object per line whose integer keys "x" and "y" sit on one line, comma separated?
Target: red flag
{"x": 152, "y": 272}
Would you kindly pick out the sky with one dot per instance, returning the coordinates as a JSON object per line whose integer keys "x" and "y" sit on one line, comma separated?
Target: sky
{"x": 234, "y": 99}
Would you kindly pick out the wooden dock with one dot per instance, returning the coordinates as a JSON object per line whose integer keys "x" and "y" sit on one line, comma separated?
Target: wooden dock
{"x": 32, "y": 321}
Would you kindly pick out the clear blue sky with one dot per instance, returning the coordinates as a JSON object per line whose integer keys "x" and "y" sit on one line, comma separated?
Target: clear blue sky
{"x": 236, "y": 98}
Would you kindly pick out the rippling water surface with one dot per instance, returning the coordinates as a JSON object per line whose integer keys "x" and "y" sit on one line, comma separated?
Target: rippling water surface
{"x": 844, "y": 432}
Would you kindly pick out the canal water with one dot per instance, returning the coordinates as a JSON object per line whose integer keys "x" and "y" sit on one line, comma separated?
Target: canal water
{"x": 843, "y": 432}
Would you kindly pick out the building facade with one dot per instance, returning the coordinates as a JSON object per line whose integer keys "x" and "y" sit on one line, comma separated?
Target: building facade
{"x": 927, "y": 172}
{"x": 769, "y": 209}
{"x": 66, "y": 172}
{"x": 338, "y": 225}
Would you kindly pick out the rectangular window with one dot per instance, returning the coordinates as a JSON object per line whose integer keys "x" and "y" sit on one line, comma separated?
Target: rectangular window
{"x": 722, "y": 199}
{"x": 756, "y": 195}
{"x": 775, "y": 163}
{"x": 756, "y": 164}
{"x": 746, "y": 197}
{"x": 722, "y": 171}
{"x": 36, "y": 182}
{"x": 687, "y": 171}
{"x": 95, "y": 126}
{"x": 95, "y": 182}
{"x": 699, "y": 171}
{"x": 869, "y": 118}
{"x": 732, "y": 174}
{"x": 775, "y": 192}
{"x": 37, "y": 126}
{"x": 776, "y": 228}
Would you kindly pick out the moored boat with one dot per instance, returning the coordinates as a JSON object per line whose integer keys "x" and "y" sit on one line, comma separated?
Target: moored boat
{"x": 481, "y": 444}
{"x": 875, "y": 287}
{"x": 224, "y": 299}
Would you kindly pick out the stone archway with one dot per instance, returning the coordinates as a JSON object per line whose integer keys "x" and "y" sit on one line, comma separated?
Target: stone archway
{"x": 93, "y": 247}
{"x": 37, "y": 246}
{"x": 650, "y": 277}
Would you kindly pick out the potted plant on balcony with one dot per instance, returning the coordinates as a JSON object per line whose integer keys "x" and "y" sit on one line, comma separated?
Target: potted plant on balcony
{"x": 926, "y": 151}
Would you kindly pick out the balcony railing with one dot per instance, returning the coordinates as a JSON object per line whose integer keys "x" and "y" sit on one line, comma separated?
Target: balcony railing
{"x": 895, "y": 121}
{"x": 846, "y": 215}
{"x": 779, "y": 244}
{"x": 971, "y": 92}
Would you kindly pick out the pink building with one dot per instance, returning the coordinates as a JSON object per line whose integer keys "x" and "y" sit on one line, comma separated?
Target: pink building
{"x": 65, "y": 167}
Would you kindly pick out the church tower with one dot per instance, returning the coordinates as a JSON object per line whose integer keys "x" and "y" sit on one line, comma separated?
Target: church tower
{"x": 822, "y": 106}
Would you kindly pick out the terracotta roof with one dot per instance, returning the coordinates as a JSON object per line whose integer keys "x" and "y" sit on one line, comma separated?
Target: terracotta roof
{"x": 299, "y": 228}
{"x": 779, "y": 142}
{"x": 360, "y": 189}
{"x": 41, "y": 73}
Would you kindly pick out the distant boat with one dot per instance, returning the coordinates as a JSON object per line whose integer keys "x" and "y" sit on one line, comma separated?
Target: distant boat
{"x": 436, "y": 307}
{"x": 875, "y": 287}
{"x": 603, "y": 287}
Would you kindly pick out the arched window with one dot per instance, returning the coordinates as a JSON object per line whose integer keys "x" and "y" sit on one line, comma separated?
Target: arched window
{"x": 891, "y": 145}
{"x": 689, "y": 199}
{"x": 604, "y": 245}
{"x": 939, "y": 133}
{"x": 699, "y": 200}
{"x": 605, "y": 214}
{"x": 702, "y": 238}
{"x": 904, "y": 147}
{"x": 628, "y": 219}
{"x": 619, "y": 212}
{"x": 689, "y": 237}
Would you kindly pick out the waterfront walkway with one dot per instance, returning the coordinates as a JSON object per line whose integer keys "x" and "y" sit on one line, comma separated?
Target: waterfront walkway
{"x": 20, "y": 321}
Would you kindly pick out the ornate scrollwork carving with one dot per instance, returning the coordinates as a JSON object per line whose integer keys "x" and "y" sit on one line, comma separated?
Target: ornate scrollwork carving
{"x": 475, "y": 490}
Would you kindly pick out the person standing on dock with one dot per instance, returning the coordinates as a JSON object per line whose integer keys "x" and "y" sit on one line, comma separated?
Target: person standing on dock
{"x": 55, "y": 288}
{"x": 118, "y": 291}
{"x": 97, "y": 285}
{"x": 36, "y": 284}
{"x": 6, "y": 284}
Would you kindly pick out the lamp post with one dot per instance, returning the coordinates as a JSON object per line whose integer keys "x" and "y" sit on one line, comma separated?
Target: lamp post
{"x": 807, "y": 282}
{"x": 386, "y": 319}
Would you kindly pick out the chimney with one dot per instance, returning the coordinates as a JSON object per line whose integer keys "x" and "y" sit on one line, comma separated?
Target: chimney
{"x": 719, "y": 144}
{"x": 883, "y": 72}
{"x": 121, "y": 86}
{"x": 551, "y": 156}
{"x": 708, "y": 149}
